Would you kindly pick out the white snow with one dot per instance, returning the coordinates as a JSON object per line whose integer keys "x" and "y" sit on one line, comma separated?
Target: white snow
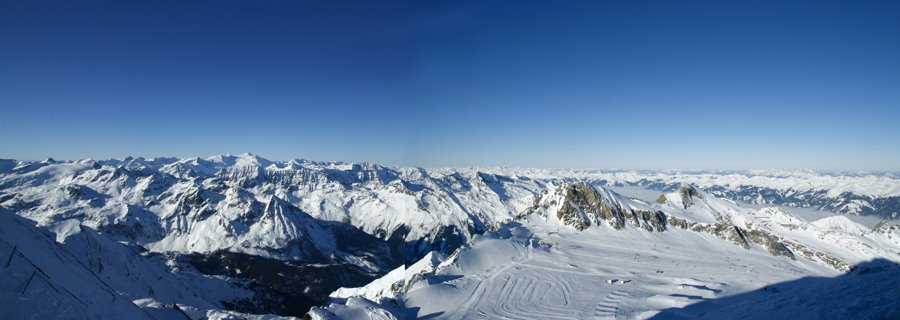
{"x": 65, "y": 228}
{"x": 841, "y": 223}
{"x": 596, "y": 273}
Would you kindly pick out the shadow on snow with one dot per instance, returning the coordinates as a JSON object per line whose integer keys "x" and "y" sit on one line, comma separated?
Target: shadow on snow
{"x": 870, "y": 291}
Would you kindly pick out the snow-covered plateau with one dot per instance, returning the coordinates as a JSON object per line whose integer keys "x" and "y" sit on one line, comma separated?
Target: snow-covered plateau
{"x": 231, "y": 237}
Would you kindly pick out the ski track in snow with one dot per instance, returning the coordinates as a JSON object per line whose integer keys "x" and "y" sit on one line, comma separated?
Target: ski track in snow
{"x": 537, "y": 294}
{"x": 608, "y": 308}
{"x": 534, "y": 289}
{"x": 598, "y": 274}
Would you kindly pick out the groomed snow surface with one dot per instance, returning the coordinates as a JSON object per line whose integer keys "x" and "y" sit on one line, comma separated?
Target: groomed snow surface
{"x": 541, "y": 270}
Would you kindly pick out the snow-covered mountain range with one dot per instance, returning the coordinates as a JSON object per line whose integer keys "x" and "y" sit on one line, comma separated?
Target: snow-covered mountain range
{"x": 857, "y": 193}
{"x": 245, "y": 234}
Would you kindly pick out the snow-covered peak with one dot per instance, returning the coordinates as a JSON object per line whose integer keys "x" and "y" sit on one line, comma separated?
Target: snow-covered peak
{"x": 842, "y": 224}
{"x": 694, "y": 204}
{"x": 683, "y": 197}
{"x": 241, "y": 160}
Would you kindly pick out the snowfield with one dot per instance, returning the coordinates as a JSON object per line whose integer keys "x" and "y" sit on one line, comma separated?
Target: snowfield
{"x": 541, "y": 270}
{"x": 595, "y": 274}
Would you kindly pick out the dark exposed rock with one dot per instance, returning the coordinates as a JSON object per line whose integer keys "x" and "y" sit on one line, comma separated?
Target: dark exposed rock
{"x": 731, "y": 233}
{"x": 688, "y": 193}
{"x": 648, "y": 220}
{"x": 884, "y": 227}
{"x": 662, "y": 199}
{"x": 737, "y": 235}
{"x": 769, "y": 241}
{"x": 828, "y": 259}
{"x": 583, "y": 206}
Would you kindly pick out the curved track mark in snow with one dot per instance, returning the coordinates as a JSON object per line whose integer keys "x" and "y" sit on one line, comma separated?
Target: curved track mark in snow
{"x": 608, "y": 308}
{"x": 533, "y": 294}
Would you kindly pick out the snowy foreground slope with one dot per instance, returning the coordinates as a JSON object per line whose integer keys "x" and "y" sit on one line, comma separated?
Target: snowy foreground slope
{"x": 68, "y": 272}
{"x": 565, "y": 259}
{"x": 242, "y": 236}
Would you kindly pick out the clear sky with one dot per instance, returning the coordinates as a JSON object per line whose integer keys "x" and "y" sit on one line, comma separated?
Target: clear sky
{"x": 617, "y": 84}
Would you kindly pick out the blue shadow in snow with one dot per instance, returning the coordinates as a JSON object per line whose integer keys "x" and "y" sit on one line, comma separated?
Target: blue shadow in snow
{"x": 432, "y": 279}
{"x": 413, "y": 313}
{"x": 869, "y": 291}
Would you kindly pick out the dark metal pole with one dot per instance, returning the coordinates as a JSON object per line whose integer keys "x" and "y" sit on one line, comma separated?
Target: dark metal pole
{"x": 8, "y": 260}
{"x": 29, "y": 281}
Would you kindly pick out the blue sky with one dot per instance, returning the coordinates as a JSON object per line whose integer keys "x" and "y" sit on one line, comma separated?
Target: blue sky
{"x": 624, "y": 84}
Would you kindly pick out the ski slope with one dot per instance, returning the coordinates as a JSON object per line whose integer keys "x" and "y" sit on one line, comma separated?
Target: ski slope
{"x": 557, "y": 273}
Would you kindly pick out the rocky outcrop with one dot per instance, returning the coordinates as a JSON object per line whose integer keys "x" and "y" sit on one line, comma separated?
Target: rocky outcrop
{"x": 885, "y": 227}
{"x": 723, "y": 230}
{"x": 771, "y": 242}
{"x": 662, "y": 199}
{"x": 649, "y": 220}
{"x": 688, "y": 193}
{"x": 814, "y": 255}
{"x": 737, "y": 235}
{"x": 580, "y": 205}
